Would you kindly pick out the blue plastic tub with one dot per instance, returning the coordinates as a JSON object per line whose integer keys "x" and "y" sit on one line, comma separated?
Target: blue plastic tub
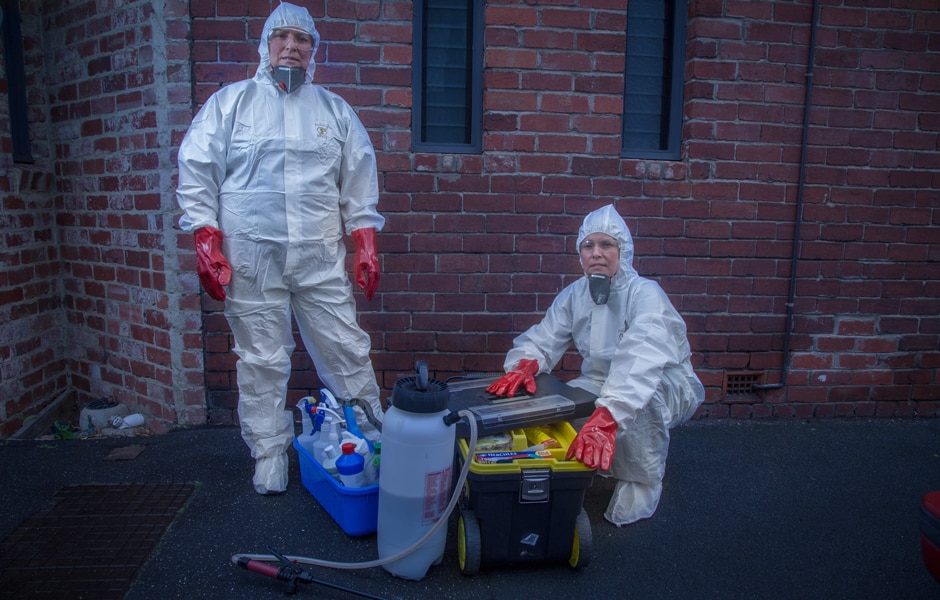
{"x": 355, "y": 510}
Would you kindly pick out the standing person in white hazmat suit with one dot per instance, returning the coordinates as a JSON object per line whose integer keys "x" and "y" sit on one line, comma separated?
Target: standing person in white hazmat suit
{"x": 636, "y": 359}
{"x": 271, "y": 172}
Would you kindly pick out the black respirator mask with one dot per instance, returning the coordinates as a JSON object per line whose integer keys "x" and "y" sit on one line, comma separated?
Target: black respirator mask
{"x": 289, "y": 78}
{"x": 599, "y": 284}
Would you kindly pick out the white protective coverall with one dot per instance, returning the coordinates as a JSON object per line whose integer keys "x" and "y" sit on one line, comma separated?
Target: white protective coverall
{"x": 281, "y": 174}
{"x": 636, "y": 359}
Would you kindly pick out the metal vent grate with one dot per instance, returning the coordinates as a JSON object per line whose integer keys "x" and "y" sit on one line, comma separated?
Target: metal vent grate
{"x": 89, "y": 541}
{"x": 741, "y": 384}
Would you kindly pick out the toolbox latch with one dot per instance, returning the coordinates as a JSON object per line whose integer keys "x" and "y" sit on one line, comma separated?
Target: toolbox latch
{"x": 535, "y": 485}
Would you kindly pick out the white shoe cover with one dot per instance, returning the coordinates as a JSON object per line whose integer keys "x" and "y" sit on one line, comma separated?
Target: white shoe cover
{"x": 632, "y": 501}
{"x": 271, "y": 474}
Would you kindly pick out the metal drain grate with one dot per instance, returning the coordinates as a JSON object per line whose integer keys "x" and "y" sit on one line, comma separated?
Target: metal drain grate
{"x": 90, "y": 541}
{"x": 741, "y": 384}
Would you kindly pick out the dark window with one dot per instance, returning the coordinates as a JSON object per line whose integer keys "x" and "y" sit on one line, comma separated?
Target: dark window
{"x": 16, "y": 81}
{"x": 655, "y": 61}
{"x": 448, "y": 73}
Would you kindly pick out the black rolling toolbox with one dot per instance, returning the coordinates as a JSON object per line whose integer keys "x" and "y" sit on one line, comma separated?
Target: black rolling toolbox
{"x": 523, "y": 507}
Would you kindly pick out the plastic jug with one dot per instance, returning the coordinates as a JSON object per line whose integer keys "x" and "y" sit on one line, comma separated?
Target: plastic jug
{"x": 417, "y": 472}
{"x": 330, "y": 456}
{"x": 350, "y": 467}
{"x": 362, "y": 449}
{"x": 376, "y": 463}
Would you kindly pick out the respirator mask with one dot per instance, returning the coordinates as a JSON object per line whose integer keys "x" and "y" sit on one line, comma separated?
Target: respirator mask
{"x": 289, "y": 78}
{"x": 599, "y": 285}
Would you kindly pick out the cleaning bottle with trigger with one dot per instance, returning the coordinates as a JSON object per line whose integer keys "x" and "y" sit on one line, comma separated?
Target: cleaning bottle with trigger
{"x": 329, "y": 436}
{"x": 308, "y": 434}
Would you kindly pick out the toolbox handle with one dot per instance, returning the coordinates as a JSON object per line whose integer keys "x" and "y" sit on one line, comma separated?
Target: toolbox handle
{"x": 535, "y": 486}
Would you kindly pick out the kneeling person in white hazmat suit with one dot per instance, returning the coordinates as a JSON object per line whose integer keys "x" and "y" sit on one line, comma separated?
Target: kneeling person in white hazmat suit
{"x": 636, "y": 359}
{"x": 271, "y": 172}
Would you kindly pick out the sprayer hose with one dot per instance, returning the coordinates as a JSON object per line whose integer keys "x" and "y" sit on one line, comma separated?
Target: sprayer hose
{"x": 461, "y": 479}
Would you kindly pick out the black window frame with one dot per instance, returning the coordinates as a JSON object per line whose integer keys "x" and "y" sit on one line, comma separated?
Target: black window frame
{"x": 16, "y": 81}
{"x": 672, "y": 71}
{"x": 472, "y": 139}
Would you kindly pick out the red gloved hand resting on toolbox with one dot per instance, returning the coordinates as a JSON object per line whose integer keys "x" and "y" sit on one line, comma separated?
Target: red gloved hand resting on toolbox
{"x": 594, "y": 444}
{"x": 367, "y": 261}
{"x": 522, "y": 374}
{"x": 213, "y": 268}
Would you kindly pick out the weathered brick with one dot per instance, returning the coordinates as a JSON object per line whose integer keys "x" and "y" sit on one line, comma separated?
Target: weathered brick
{"x": 716, "y": 226}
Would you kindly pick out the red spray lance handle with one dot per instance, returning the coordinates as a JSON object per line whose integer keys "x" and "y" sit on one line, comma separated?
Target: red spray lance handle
{"x": 292, "y": 573}
{"x": 260, "y": 567}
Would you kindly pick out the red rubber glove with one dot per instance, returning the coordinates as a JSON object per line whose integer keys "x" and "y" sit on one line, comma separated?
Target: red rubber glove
{"x": 594, "y": 444}
{"x": 367, "y": 261}
{"x": 213, "y": 268}
{"x": 522, "y": 374}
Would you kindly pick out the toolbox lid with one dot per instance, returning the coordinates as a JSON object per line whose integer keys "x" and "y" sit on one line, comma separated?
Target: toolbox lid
{"x": 514, "y": 413}
{"x": 553, "y": 401}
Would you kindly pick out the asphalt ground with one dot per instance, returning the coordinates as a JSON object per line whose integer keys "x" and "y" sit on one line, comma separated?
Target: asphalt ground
{"x": 750, "y": 510}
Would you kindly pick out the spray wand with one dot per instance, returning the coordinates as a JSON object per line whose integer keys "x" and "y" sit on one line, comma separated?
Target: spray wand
{"x": 292, "y": 574}
{"x": 257, "y": 562}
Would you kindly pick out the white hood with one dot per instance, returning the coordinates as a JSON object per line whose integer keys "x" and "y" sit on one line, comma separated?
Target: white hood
{"x": 296, "y": 18}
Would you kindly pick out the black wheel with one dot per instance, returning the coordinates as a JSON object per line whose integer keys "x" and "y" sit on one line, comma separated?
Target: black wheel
{"x": 583, "y": 545}
{"x": 469, "y": 546}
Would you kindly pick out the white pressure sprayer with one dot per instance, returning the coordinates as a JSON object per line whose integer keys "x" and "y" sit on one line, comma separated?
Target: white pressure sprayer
{"x": 417, "y": 473}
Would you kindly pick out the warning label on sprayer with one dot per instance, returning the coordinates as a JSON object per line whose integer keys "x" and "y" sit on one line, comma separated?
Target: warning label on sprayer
{"x": 436, "y": 495}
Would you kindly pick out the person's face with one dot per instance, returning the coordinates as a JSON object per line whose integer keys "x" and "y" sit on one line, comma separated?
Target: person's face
{"x": 289, "y": 48}
{"x": 600, "y": 253}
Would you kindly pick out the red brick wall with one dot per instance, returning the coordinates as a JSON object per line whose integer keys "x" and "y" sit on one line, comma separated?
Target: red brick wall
{"x": 117, "y": 85}
{"x": 32, "y": 323}
{"x": 866, "y": 306}
{"x": 97, "y": 286}
{"x": 715, "y": 228}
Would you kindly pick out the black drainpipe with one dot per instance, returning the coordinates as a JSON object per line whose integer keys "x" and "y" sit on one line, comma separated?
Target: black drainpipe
{"x": 795, "y": 259}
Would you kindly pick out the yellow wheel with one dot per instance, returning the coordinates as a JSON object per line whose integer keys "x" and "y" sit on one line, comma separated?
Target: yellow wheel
{"x": 583, "y": 545}
{"x": 469, "y": 547}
